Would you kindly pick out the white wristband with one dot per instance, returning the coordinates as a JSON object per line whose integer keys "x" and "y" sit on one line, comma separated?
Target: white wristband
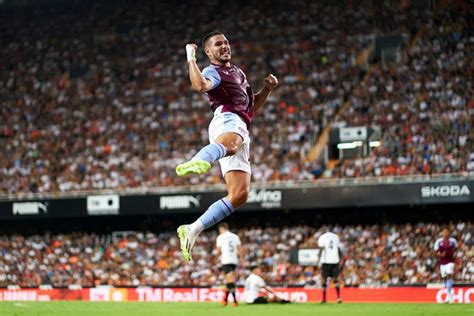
{"x": 190, "y": 53}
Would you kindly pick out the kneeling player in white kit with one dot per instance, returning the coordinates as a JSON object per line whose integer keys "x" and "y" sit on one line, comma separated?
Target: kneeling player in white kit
{"x": 257, "y": 291}
{"x": 228, "y": 247}
{"x": 330, "y": 258}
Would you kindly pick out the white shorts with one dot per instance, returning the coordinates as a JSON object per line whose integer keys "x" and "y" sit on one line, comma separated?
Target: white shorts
{"x": 447, "y": 269}
{"x": 229, "y": 122}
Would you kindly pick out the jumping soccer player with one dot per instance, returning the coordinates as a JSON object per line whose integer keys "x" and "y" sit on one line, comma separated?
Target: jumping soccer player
{"x": 233, "y": 104}
{"x": 228, "y": 247}
{"x": 445, "y": 248}
{"x": 331, "y": 259}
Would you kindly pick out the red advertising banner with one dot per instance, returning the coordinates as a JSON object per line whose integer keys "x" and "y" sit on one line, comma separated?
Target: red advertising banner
{"x": 44, "y": 295}
{"x": 299, "y": 295}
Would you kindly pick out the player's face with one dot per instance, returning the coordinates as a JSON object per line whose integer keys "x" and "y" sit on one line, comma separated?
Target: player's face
{"x": 218, "y": 49}
{"x": 445, "y": 233}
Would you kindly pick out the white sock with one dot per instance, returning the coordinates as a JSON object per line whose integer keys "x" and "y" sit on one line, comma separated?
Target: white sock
{"x": 195, "y": 229}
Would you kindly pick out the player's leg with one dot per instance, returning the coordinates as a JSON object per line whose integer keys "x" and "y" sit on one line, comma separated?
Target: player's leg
{"x": 276, "y": 299}
{"x": 225, "y": 269}
{"x": 214, "y": 214}
{"x": 324, "y": 281}
{"x": 238, "y": 185}
{"x": 224, "y": 127}
{"x": 230, "y": 285}
{"x": 230, "y": 131}
{"x": 325, "y": 285}
{"x": 335, "y": 276}
{"x": 262, "y": 300}
{"x": 449, "y": 281}
{"x": 201, "y": 163}
{"x": 444, "y": 277}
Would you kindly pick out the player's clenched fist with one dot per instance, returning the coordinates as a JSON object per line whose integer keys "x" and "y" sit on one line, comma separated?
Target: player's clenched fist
{"x": 270, "y": 82}
{"x": 191, "y": 51}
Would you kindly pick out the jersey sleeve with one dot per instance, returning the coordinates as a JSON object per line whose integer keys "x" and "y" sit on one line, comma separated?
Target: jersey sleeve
{"x": 219, "y": 241}
{"x": 321, "y": 241}
{"x": 436, "y": 244}
{"x": 454, "y": 242}
{"x": 211, "y": 74}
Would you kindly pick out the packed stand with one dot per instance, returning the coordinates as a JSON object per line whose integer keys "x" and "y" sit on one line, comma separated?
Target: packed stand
{"x": 374, "y": 256}
{"x": 97, "y": 96}
{"x": 424, "y": 106}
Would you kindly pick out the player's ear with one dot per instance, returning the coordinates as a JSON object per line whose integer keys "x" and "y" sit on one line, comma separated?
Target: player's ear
{"x": 207, "y": 50}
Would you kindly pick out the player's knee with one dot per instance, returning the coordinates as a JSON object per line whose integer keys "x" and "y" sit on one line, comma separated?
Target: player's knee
{"x": 232, "y": 142}
{"x": 232, "y": 148}
{"x": 239, "y": 196}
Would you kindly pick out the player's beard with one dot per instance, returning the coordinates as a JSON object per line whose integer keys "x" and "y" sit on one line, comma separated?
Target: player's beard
{"x": 221, "y": 60}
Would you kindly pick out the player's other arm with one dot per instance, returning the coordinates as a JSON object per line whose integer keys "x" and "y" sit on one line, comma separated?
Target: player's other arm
{"x": 198, "y": 82}
{"x": 218, "y": 246}
{"x": 240, "y": 252}
{"x": 342, "y": 259}
{"x": 436, "y": 248}
{"x": 268, "y": 289}
{"x": 269, "y": 83}
{"x": 240, "y": 249}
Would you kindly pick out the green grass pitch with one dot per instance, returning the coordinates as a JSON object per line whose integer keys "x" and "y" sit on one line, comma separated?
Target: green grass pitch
{"x": 211, "y": 309}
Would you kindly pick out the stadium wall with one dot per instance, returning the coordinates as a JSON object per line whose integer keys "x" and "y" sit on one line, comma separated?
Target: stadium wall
{"x": 308, "y": 196}
{"x": 300, "y": 295}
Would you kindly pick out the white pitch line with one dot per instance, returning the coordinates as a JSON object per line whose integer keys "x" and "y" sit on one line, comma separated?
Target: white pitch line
{"x": 20, "y": 305}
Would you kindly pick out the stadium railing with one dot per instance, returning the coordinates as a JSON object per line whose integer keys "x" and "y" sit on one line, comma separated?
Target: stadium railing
{"x": 319, "y": 183}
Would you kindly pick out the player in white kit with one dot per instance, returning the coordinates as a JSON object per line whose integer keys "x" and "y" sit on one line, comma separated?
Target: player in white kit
{"x": 331, "y": 260}
{"x": 257, "y": 291}
{"x": 229, "y": 249}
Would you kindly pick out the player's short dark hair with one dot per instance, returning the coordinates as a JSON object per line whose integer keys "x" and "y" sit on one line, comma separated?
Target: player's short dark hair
{"x": 262, "y": 265}
{"x": 223, "y": 225}
{"x": 206, "y": 37}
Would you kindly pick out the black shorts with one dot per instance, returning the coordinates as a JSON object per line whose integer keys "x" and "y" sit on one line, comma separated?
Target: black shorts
{"x": 228, "y": 268}
{"x": 260, "y": 300}
{"x": 330, "y": 271}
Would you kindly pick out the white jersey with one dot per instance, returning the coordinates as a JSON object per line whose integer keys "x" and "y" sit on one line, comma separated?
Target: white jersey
{"x": 228, "y": 243}
{"x": 253, "y": 285}
{"x": 331, "y": 245}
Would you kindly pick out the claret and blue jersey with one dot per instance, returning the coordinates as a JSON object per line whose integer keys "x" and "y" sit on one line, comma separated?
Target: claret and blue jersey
{"x": 231, "y": 90}
{"x": 447, "y": 247}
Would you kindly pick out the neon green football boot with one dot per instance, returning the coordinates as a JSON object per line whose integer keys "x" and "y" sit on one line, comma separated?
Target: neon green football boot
{"x": 193, "y": 166}
{"x": 185, "y": 242}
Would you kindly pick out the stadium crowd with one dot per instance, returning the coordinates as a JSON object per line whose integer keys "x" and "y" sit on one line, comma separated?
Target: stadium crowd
{"x": 374, "y": 256}
{"x": 424, "y": 106}
{"x": 99, "y": 98}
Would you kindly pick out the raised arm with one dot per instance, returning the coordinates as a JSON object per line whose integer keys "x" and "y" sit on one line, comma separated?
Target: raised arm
{"x": 269, "y": 83}
{"x": 198, "y": 82}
